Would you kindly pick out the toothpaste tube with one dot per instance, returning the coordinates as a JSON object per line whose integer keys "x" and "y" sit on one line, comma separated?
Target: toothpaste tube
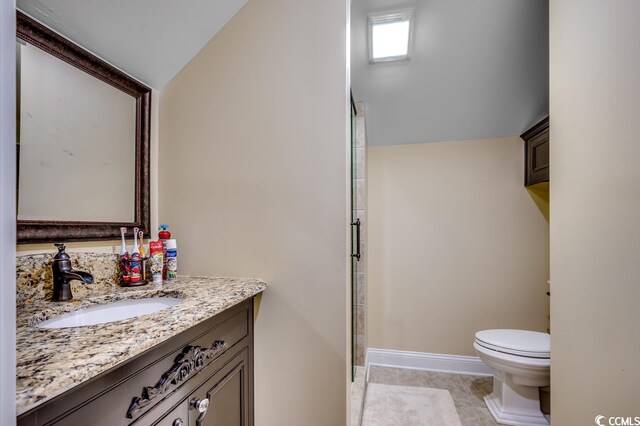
{"x": 157, "y": 260}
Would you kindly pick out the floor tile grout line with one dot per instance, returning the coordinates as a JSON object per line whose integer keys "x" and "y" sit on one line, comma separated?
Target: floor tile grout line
{"x": 466, "y": 390}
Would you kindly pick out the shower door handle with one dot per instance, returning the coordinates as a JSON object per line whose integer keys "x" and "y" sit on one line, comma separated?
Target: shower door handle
{"x": 357, "y": 253}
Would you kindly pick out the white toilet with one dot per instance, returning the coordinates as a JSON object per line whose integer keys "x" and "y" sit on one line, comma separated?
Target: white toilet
{"x": 521, "y": 360}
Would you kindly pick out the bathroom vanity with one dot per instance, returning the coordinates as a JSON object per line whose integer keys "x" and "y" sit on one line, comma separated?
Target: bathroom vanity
{"x": 189, "y": 364}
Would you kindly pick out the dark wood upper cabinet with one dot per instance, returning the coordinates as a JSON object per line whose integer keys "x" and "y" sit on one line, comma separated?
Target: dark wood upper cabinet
{"x": 536, "y": 153}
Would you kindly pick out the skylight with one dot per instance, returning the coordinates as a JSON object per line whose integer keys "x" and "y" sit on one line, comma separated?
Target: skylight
{"x": 390, "y": 36}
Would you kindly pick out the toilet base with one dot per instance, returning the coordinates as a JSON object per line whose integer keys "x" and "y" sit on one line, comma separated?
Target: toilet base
{"x": 514, "y": 404}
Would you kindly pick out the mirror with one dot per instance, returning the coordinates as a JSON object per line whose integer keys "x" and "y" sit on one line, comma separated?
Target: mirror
{"x": 83, "y": 142}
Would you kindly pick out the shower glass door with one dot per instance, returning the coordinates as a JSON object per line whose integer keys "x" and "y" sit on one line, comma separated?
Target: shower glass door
{"x": 355, "y": 243}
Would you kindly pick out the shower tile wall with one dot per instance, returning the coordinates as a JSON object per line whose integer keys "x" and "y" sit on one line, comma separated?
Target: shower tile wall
{"x": 359, "y": 205}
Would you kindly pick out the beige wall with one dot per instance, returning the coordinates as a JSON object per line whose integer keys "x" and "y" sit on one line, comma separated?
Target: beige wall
{"x": 595, "y": 205}
{"x": 253, "y": 182}
{"x": 456, "y": 245}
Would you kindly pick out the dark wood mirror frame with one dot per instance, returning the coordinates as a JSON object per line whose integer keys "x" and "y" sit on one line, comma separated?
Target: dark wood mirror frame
{"x": 38, "y": 231}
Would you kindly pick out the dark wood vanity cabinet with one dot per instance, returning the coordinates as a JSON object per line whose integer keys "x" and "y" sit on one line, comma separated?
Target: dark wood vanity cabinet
{"x": 209, "y": 381}
{"x": 536, "y": 153}
{"x": 227, "y": 395}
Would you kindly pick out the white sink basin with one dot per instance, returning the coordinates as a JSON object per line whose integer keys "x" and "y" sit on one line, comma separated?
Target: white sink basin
{"x": 110, "y": 312}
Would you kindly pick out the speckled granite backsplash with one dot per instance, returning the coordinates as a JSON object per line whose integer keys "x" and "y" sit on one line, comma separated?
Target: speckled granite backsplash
{"x": 34, "y": 280}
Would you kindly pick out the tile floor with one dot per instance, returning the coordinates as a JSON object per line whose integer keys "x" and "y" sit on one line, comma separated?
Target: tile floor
{"x": 357, "y": 396}
{"x": 467, "y": 391}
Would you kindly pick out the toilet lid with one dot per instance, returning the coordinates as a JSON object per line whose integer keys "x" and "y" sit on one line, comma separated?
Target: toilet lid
{"x": 516, "y": 342}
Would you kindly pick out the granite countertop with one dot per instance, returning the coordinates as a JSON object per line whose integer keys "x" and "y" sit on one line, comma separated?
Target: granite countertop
{"x": 49, "y": 362}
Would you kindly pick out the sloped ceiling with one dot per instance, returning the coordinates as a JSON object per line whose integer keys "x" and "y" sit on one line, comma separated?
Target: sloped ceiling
{"x": 479, "y": 69}
{"x": 149, "y": 39}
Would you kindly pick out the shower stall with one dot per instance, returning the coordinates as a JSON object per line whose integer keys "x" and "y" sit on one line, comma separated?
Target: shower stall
{"x": 358, "y": 235}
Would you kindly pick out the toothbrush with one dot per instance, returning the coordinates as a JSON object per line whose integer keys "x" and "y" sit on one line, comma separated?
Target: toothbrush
{"x": 142, "y": 251}
{"x": 123, "y": 251}
{"x": 124, "y": 256}
{"x": 135, "y": 264}
{"x": 135, "y": 250}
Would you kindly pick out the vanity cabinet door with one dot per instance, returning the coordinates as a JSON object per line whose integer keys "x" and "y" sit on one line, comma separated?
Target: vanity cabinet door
{"x": 179, "y": 416}
{"x": 227, "y": 393}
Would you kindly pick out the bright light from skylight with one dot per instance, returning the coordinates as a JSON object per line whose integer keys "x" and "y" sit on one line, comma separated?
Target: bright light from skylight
{"x": 390, "y": 36}
{"x": 390, "y": 39}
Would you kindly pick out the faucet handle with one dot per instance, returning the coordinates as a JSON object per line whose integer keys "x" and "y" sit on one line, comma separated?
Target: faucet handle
{"x": 62, "y": 255}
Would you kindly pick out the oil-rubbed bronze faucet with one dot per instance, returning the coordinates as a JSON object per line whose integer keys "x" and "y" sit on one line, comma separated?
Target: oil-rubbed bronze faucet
{"x": 63, "y": 273}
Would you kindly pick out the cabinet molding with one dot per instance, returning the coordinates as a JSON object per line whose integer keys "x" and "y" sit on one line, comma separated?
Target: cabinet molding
{"x": 191, "y": 360}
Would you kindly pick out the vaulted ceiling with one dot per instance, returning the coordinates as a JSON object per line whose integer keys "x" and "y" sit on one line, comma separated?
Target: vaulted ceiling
{"x": 478, "y": 69}
{"x": 149, "y": 39}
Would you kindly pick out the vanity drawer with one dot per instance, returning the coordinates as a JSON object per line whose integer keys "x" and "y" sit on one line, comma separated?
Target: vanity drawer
{"x": 114, "y": 392}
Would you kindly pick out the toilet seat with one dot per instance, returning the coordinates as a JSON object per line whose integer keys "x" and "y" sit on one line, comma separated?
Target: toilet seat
{"x": 530, "y": 344}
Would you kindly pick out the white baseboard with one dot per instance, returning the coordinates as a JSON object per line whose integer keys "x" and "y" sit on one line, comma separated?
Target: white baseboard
{"x": 426, "y": 361}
